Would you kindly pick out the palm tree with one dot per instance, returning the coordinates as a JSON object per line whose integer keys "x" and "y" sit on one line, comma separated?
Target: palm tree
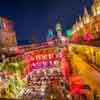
{"x": 1, "y": 67}
{"x": 13, "y": 68}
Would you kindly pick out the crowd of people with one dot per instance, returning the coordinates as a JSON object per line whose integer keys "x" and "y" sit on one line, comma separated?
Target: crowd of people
{"x": 39, "y": 82}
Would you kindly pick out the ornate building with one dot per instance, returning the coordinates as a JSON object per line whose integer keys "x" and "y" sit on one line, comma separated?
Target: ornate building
{"x": 96, "y": 16}
{"x": 7, "y": 34}
{"x": 89, "y": 23}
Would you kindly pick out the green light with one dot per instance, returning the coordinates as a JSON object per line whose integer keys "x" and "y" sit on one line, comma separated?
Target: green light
{"x": 0, "y": 24}
{"x": 69, "y": 33}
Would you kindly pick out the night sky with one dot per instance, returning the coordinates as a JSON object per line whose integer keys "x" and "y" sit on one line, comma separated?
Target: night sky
{"x": 35, "y": 17}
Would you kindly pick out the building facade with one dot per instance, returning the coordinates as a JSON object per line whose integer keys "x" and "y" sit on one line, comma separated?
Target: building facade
{"x": 89, "y": 23}
{"x": 7, "y": 34}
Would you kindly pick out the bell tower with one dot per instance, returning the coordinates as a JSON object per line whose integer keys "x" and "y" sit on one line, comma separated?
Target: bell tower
{"x": 7, "y": 34}
{"x": 59, "y": 30}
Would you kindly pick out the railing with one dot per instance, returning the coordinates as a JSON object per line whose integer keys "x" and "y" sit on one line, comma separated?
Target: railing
{"x": 89, "y": 54}
{"x": 9, "y": 99}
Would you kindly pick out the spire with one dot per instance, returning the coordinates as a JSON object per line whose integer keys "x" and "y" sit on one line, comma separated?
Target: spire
{"x": 85, "y": 11}
{"x": 80, "y": 22}
{"x": 76, "y": 23}
{"x": 80, "y": 19}
{"x": 59, "y": 30}
{"x": 96, "y": 1}
{"x": 96, "y": 7}
{"x": 77, "y": 26}
{"x": 86, "y": 17}
{"x": 50, "y": 35}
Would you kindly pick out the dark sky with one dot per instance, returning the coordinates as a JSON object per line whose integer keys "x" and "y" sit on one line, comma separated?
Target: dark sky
{"x": 34, "y": 17}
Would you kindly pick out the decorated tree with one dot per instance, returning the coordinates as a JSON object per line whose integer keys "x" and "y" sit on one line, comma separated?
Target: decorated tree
{"x": 11, "y": 83}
